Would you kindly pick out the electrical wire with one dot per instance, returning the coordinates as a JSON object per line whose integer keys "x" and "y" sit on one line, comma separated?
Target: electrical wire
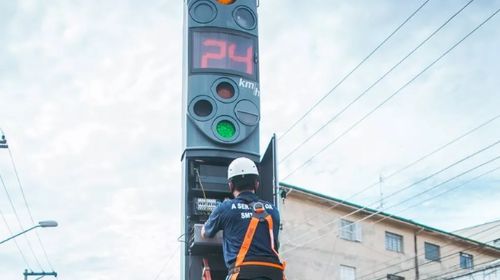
{"x": 15, "y": 241}
{"x": 394, "y": 94}
{"x": 454, "y": 188}
{"x": 444, "y": 182}
{"x": 375, "y": 83}
{"x": 325, "y": 273}
{"x": 406, "y": 187}
{"x": 449, "y": 243}
{"x": 28, "y": 208}
{"x": 440, "y": 276}
{"x": 417, "y": 160}
{"x": 167, "y": 262}
{"x": 353, "y": 70}
{"x": 370, "y": 215}
{"x": 451, "y": 253}
{"x": 379, "y": 211}
{"x": 486, "y": 267}
{"x": 420, "y": 203}
{"x": 19, "y": 222}
{"x": 201, "y": 185}
{"x": 427, "y": 155}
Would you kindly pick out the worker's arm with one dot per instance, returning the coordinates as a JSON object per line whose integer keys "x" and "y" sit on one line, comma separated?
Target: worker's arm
{"x": 214, "y": 223}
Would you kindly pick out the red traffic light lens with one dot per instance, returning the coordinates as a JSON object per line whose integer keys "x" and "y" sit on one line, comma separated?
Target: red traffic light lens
{"x": 225, "y": 90}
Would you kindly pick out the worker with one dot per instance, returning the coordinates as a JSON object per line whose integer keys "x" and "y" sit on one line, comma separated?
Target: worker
{"x": 246, "y": 256}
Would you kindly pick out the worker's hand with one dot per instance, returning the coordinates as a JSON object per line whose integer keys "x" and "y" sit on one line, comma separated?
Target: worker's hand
{"x": 203, "y": 231}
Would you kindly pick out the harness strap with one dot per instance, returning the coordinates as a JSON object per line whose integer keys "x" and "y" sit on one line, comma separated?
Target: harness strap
{"x": 275, "y": 265}
{"x": 259, "y": 215}
{"x": 245, "y": 246}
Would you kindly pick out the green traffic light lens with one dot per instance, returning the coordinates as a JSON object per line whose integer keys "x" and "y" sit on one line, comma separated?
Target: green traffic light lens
{"x": 225, "y": 129}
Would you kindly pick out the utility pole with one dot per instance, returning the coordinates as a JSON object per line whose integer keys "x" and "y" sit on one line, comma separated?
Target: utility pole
{"x": 221, "y": 119}
{"x": 41, "y": 274}
{"x": 3, "y": 143}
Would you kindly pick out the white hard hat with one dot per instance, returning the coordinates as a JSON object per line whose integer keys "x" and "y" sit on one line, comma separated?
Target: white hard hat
{"x": 242, "y": 166}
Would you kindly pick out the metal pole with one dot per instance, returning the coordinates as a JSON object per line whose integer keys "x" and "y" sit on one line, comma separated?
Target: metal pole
{"x": 1, "y": 242}
{"x": 42, "y": 274}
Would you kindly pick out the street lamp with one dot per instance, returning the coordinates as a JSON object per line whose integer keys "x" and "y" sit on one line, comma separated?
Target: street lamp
{"x": 42, "y": 224}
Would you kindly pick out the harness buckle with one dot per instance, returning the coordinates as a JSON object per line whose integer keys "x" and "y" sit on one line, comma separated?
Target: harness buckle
{"x": 258, "y": 207}
{"x": 259, "y": 211}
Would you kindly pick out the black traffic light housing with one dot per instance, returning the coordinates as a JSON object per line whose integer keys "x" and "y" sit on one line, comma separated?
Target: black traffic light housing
{"x": 221, "y": 78}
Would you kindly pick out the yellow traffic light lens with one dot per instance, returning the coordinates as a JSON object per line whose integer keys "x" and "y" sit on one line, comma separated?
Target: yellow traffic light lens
{"x": 203, "y": 108}
{"x": 226, "y": 2}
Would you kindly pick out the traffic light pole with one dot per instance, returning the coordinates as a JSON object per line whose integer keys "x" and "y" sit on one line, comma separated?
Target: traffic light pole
{"x": 41, "y": 274}
{"x": 221, "y": 120}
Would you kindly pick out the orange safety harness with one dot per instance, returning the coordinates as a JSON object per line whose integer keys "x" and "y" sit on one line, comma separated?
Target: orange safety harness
{"x": 259, "y": 215}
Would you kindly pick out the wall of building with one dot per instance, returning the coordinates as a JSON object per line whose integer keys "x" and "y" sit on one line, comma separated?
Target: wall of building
{"x": 311, "y": 244}
{"x": 450, "y": 255}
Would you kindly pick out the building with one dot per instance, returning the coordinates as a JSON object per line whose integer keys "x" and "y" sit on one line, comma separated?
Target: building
{"x": 482, "y": 233}
{"x": 327, "y": 238}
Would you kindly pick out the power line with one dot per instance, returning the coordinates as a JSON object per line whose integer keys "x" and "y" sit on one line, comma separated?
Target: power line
{"x": 376, "y": 82}
{"x": 486, "y": 267}
{"x": 15, "y": 241}
{"x": 330, "y": 261}
{"x": 451, "y": 254}
{"x": 418, "y": 160}
{"x": 439, "y": 276}
{"x": 420, "y": 203}
{"x": 353, "y": 70}
{"x": 413, "y": 257}
{"x": 28, "y": 208}
{"x": 19, "y": 222}
{"x": 169, "y": 259}
{"x": 375, "y": 212}
{"x": 447, "y": 191}
{"x": 447, "y": 181}
{"x": 394, "y": 94}
{"x": 427, "y": 155}
{"x": 407, "y": 187}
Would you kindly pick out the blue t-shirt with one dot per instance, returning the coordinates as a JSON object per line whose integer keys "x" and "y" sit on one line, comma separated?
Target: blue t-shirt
{"x": 233, "y": 217}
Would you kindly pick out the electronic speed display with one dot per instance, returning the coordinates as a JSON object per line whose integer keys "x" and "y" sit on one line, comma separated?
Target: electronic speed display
{"x": 223, "y": 52}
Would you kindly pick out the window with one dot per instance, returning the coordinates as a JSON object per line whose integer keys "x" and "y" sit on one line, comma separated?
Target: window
{"x": 350, "y": 230}
{"x": 393, "y": 242}
{"x": 347, "y": 272}
{"x": 432, "y": 252}
{"x": 466, "y": 261}
{"x": 394, "y": 277}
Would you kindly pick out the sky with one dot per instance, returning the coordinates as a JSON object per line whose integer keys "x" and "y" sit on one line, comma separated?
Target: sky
{"x": 90, "y": 102}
